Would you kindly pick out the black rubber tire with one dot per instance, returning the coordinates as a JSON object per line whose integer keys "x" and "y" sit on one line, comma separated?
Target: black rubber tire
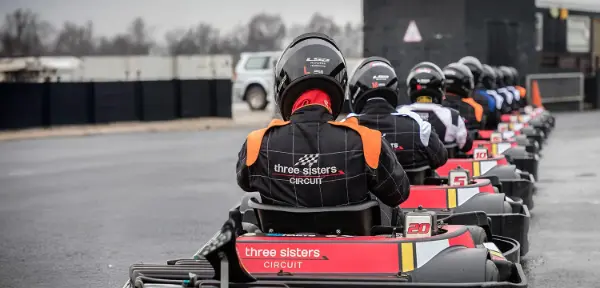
{"x": 507, "y": 208}
{"x": 478, "y": 234}
{"x": 259, "y": 92}
{"x": 491, "y": 271}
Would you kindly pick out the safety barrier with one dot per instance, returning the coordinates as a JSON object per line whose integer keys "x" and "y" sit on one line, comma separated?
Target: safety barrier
{"x": 28, "y": 105}
{"x": 563, "y": 91}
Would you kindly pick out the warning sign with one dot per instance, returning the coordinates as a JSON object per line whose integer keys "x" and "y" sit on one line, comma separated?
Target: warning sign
{"x": 412, "y": 33}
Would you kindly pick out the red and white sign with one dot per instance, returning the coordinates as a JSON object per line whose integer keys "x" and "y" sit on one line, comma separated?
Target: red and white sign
{"x": 412, "y": 34}
{"x": 496, "y": 137}
{"x": 458, "y": 178}
{"x": 502, "y": 127}
{"x": 299, "y": 257}
{"x": 480, "y": 154}
{"x": 418, "y": 226}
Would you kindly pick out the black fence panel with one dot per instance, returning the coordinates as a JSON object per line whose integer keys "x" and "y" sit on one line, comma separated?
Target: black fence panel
{"x": 22, "y": 105}
{"x": 158, "y": 100}
{"x": 115, "y": 102}
{"x": 69, "y": 103}
{"x": 223, "y": 91}
{"x": 592, "y": 90}
{"x": 195, "y": 98}
{"x": 26, "y": 105}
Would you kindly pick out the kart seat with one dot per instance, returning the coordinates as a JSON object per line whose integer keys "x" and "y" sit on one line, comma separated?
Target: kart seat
{"x": 452, "y": 149}
{"x": 349, "y": 220}
{"x": 417, "y": 175}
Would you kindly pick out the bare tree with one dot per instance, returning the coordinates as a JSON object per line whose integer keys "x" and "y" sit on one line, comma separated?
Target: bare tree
{"x": 139, "y": 37}
{"x": 75, "y": 40}
{"x": 322, "y": 24}
{"x": 202, "y": 39}
{"x": 266, "y": 32}
{"x": 23, "y": 34}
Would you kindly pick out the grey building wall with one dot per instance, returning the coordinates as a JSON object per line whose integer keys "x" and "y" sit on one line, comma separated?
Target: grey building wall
{"x": 451, "y": 30}
{"x": 440, "y": 22}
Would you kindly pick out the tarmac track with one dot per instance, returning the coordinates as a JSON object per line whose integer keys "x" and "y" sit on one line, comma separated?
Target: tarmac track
{"x": 76, "y": 212}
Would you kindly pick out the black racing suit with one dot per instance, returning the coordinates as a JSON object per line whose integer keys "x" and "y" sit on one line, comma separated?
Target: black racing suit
{"x": 310, "y": 162}
{"x": 415, "y": 142}
{"x": 466, "y": 111}
{"x": 446, "y": 122}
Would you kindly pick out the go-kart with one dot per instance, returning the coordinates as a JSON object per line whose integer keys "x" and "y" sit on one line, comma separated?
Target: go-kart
{"x": 509, "y": 180}
{"x": 459, "y": 193}
{"x": 342, "y": 247}
{"x": 524, "y": 158}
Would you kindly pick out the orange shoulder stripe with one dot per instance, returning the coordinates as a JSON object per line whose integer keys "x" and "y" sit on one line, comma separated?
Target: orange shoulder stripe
{"x": 371, "y": 140}
{"x": 476, "y": 106}
{"x": 254, "y": 140}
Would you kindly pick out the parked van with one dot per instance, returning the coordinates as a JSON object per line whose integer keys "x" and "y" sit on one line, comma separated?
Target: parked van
{"x": 253, "y": 78}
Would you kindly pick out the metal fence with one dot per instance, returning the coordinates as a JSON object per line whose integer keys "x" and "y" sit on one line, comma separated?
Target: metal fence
{"x": 558, "y": 87}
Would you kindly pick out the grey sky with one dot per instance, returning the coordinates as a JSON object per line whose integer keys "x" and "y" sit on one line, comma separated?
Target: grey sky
{"x": 113, "y": 16}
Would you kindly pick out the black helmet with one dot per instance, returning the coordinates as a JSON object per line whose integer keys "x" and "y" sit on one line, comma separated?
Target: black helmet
{"x": 515, "y": 75}
{"x": 508, "y": 75}
{"x": 474, "y": 65}
{"x": 499, "y": 77}
{"x": 311, "y": 61}
{"x": 373, "y": 77}
{"x": 488, "y": 77}
{"x": 459, "y": 79}
{"x": 426, "y": 83}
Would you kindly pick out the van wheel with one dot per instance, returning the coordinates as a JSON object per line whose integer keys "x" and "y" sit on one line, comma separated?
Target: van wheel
{"x": 256, "y": 97}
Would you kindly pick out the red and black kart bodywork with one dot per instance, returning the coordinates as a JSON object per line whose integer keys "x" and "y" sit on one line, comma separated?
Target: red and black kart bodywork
{"x": 522, "y": 157}
{"x": 516, "y": 185}
{"x": 508, "y": 218}
{"x": 454, "y": 257}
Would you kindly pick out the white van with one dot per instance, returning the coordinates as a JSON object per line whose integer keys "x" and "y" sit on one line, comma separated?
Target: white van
{"x": 253, "y": 78}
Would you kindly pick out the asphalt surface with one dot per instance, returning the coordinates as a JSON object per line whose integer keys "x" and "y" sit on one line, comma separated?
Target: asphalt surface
{"x": 76, "y": 212}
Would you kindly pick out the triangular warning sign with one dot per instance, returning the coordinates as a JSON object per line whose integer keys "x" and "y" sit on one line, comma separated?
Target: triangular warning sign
{"x": 412, "y": 33}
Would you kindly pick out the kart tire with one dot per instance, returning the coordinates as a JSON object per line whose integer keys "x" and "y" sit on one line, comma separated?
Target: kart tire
{"x": 478, "y": 235}
{"x": 507, "y": 208}
{"x": 491, "y": 271}
{"x": 250, "y": 228}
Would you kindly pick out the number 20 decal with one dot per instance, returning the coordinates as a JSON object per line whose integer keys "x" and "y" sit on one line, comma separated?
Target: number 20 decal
{"x": 418, "y": 228}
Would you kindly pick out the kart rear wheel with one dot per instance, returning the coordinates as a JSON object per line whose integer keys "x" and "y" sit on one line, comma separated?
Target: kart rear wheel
{"x": 491, "y": 271}
{"x": 478, "y": 235}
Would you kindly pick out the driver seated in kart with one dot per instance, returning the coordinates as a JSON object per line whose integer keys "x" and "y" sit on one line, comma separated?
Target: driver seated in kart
{"x": 487, "y": 101}
{"x": 426, "y": 92}
{"x": 508, "y": 79}
{"x": 488, "y": 82}
{"x": 458, "y": 96}
{"x": 509, "y": 97}
{"x": 373, "y": 91}
{"x": 308, "y": 159}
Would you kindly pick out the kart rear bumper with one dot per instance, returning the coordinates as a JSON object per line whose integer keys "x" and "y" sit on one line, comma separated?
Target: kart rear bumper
{"x": 198, "y": 273}
{"x": 519, "y": 189}
{"x": 514, "y": 225}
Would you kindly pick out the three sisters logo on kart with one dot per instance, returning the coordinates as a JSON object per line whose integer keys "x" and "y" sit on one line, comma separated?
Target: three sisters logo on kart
{"x": 303, "y": 171}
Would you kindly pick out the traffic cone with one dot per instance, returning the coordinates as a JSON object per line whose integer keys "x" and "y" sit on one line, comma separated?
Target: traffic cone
{"x": 536, "y": 98}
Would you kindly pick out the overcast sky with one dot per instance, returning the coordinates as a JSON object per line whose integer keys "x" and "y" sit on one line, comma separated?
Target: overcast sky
{"x": 112, "y": 16}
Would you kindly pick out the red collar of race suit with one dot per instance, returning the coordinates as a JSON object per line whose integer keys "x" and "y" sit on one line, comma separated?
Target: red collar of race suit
{"x": 313, "y": 97}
